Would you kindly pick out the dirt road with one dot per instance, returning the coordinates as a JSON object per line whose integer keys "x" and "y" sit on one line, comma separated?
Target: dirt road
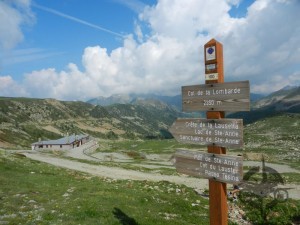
{"x": 119, "y": 173}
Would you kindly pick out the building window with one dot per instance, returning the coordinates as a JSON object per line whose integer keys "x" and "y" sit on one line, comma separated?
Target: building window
{"x": 60, "y": 146}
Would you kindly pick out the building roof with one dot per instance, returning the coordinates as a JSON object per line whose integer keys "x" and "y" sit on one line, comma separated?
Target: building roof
{"x": 62, "y": 141}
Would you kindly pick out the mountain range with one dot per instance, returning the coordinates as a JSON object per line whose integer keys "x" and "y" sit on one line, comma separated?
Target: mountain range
{"x": 25, "y": 120}
{"x": 173, "y": 101}
{"x": 285, "y": 100}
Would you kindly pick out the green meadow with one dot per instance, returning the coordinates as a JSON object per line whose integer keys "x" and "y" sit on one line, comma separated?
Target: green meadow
{"x": 37, "y": 193}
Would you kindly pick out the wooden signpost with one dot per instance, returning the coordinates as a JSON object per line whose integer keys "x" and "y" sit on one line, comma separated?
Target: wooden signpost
{"x": 213, "y": 166}
{"x": 231, "y": 96}
{"x": 222, "y": 132}
{"x": 215, "y": 97}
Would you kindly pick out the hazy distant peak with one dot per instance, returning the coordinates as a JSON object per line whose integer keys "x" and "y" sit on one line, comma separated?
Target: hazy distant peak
{"x": 288, "y": 87}
{"x": 286, "y": 99}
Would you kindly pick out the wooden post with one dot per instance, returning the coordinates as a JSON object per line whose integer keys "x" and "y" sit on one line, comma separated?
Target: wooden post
{"x": 214, "y": 73}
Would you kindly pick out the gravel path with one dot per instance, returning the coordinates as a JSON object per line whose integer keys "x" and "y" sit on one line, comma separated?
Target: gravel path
{"x": 124, "y": 174}
{"x": 278, "y": 167}
{"x": 117, "y": 173}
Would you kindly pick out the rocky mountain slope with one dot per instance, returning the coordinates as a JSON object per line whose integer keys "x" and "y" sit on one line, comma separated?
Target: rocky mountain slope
{"x": 173, "y": 101}
{"x": 25, "y": 120}
{"x": 277, "y": 137}
{"x": 286, "y": 100}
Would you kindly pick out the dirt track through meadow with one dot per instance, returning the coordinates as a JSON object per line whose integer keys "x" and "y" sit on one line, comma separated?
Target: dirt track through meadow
{"x": 125, "y": 174}
{"x": 117, "y": 173}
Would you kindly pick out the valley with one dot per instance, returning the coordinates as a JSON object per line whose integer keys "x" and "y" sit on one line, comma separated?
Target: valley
{"x": 139, "y": 169}
{"x": 133, "y": 149}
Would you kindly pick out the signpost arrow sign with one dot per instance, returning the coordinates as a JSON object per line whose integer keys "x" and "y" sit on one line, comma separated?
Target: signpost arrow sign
{"x": 223, "y": 168}
{"x": 219, "y": 132}
{"x": 230, "y": 96}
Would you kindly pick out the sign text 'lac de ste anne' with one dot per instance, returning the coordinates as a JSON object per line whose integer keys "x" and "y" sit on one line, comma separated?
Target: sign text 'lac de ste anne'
{"x": 229, "y": 96}
{"x": 219, "y": 132}
{"x": 223, "y": 168}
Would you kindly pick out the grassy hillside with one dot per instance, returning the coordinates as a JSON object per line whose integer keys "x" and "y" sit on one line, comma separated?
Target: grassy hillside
{"x": 37, "y": 193}
{"x": 24, "y": 120}
{"x": 276, "y": 136}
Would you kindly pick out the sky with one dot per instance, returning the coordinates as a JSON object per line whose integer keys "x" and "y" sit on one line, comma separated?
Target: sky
{"x": 81, "y": 49}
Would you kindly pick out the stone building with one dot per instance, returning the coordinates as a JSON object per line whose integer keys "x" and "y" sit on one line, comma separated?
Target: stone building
{"x": 64, "y": 143}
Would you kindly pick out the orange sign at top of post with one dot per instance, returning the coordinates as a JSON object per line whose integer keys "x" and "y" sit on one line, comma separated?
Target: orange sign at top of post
{"x": 213, "y": 57}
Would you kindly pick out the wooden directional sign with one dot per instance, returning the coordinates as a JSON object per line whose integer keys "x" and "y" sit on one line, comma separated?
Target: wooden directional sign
{"x": 224, "y": 168}
{"x": 219, "y": 132}
{"x": 230, "y": 96}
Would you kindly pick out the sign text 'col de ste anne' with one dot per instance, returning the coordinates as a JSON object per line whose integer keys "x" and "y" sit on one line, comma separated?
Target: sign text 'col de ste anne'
{"x": 221, "y": 168}
{"x": 220, "y": 132}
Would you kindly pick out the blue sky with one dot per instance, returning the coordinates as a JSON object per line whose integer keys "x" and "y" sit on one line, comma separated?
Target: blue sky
{"x": 75, "y": 49}
{"x": 57, "y": 35}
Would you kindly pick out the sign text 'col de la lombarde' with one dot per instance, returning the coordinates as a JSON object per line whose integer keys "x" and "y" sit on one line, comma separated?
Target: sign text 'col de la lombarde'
{"x": 230, "y": 96}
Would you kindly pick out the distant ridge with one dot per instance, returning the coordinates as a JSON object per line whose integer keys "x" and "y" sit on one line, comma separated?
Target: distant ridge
{"x": 285, "y": 100}
{"x": 25, "y": 120}
{"x": 173, "y": 101}
{"x": 113, "y": 99}
{"x": 288, "y": 87}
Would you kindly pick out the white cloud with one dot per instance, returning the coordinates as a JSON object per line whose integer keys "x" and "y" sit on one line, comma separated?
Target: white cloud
{"x": 8, "y": 87}
{"x": 262, "y": 47}
{"x": 277, "y": 82}
{"x": 187, "y": 19}
{"x": 71, "y": 84}
{"x": 266, "y": 45}
{"x": 13, "y": 14}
